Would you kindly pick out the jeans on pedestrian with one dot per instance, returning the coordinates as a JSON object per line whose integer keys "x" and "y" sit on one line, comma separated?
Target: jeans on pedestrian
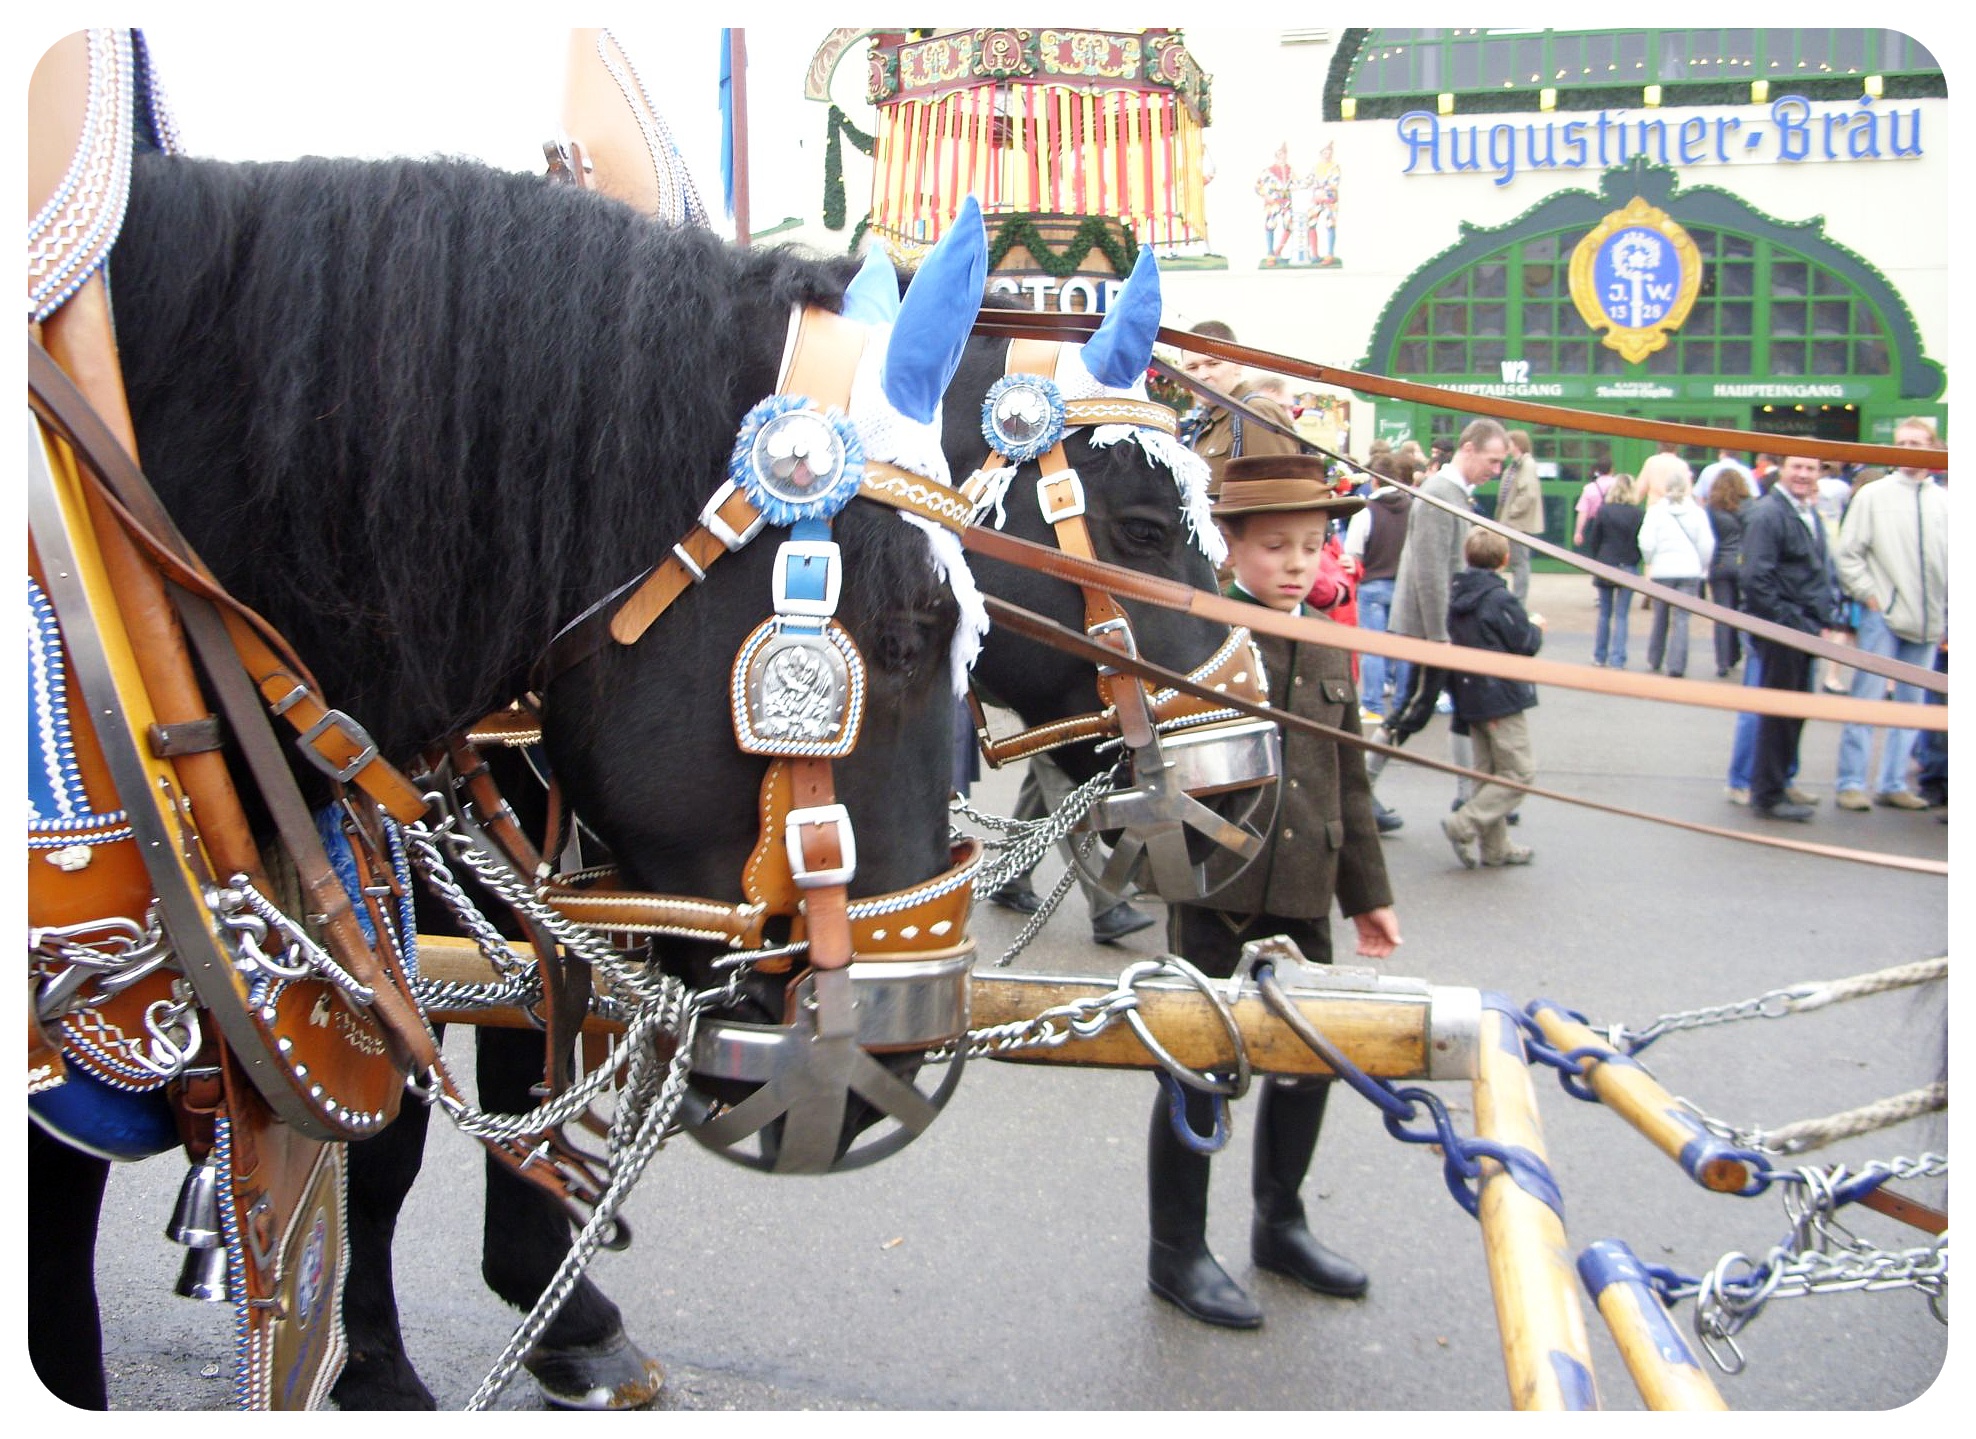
{"x": 1931, "y": 751}
{"x": 1856, "y": 740}
{"x": 1375, "y": 602}
{"x": 1726, "y": 591}
{"x": 1668, "y": 639}
{"x": 1614, "y": 608}
{"x": 1742, "y": 751}
{"x": 1519, "y": 571}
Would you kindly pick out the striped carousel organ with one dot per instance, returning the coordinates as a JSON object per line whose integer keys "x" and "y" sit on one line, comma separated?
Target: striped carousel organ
{"x": 1070, "y": 139}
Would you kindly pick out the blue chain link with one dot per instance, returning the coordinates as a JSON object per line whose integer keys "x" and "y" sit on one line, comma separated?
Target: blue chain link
{"x": 1461, "y": 1166}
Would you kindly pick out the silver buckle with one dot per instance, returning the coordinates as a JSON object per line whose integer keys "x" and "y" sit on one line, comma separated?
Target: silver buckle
{"x": 350, "y": 730}
{"x": 847, "y": 845}
{"x": 711, "y": 521}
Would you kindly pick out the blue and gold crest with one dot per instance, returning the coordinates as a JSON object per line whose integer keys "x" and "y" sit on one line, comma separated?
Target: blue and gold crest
{"x": 1635, "y": 276}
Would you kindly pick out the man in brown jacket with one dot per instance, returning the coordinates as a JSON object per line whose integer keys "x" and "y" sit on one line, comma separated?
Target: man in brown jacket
{"x": 1275, "y": 511}
{"x": 1520, "y": 505}
{"x": 1222, "y": 434}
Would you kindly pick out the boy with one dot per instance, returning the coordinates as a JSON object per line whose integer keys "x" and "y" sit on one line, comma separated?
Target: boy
{"x": 1484, "y": 615}
{"x": 1275, "y": 511}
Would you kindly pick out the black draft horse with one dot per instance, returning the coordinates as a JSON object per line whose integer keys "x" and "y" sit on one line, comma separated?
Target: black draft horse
{"x": 1141, "y": 514}
{"x": 421, "y": 414}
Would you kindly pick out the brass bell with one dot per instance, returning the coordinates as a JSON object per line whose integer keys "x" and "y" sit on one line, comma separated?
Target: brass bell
{"x": 203, "y": 1275}
{"x": 195, "y": 1218}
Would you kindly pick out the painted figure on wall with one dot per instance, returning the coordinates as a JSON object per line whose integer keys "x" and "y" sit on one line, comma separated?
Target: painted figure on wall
{"x": 1322, "y": 233}
{"x": 1299, "y": 211}
{"x": 1274, "y": 185}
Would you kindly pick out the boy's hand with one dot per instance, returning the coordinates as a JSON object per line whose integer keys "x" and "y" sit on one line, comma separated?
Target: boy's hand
{"x": 1378, "y": 932}
{"x": 1538, "y": 621}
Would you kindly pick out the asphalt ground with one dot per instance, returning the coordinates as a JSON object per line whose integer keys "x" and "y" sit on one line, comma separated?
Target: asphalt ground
{"x": 998, "y": 1262}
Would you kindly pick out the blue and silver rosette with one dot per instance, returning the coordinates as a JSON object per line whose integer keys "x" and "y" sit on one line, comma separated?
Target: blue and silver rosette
{"x": 1022, "y": 416}
{"x": 795, "y": 461}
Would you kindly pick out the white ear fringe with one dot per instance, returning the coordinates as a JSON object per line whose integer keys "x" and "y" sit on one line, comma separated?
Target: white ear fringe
{"x": 1190, "y": 473}
{"x": 972, "y": 627}
{"x": 887, "y": 434}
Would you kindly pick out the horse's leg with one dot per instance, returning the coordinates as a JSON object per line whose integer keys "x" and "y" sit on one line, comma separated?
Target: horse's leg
{"x": 64, "y": 1330}
{"x": 378, "y": 1374}
{"x": 584, "y": 1358}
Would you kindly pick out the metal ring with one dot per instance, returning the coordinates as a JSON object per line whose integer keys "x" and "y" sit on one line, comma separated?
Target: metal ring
{"x": 1232, "y": 1089}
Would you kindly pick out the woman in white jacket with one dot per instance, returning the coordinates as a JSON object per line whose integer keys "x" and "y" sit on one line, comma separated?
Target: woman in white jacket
{"x": 1676, "y": 544}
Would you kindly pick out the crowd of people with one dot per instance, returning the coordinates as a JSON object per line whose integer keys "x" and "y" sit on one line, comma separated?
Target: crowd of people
{"x": 1863, "y": 555}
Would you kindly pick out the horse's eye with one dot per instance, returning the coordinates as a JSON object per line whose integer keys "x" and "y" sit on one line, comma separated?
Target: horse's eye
{"x": 1143, "y": 535}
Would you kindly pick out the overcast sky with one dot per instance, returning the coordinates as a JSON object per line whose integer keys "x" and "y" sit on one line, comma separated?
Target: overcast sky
{"x": 270, "y": 83}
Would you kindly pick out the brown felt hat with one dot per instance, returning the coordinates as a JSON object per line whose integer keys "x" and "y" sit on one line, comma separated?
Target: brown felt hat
{"x": 1265, "y": 484}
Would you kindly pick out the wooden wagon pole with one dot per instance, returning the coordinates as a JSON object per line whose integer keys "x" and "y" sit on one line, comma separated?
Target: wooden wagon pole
{"x": 1663, "y": 1367}
{"x": 1545, "y": 1347}
{"x": 1638, "y": 1098}
{"x": 1393, "y": 1028}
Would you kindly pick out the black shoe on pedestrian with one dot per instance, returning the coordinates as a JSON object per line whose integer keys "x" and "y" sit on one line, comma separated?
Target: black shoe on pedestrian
{"x": 1018, "y": 896}
{"x": 1513, "y": 817}
{"x": 1388, "y": 820}
{"x": 1784, "y": 809}
{"x": 1192, "y": 1279}
{"x": 1112, "y": 925}
{"x": 1292, "y": 1251}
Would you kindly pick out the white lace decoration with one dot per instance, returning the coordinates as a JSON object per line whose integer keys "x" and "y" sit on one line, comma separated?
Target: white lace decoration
{"x": 1190, "y": 472}
{"x": 888, "y": 434}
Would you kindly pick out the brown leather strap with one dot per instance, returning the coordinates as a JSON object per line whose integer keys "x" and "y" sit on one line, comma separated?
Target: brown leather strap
{"x": 273, "y": 665}
{"x": 1050, "y": 325}
{"x": 1171, "y": 594}
{"x": 685, "y": 567}
{"x": 1908, "y": 1211}
{"x": 826, "y": 922}
{"x": 1051, "y": 633}
{"x": 1884, "y": 666}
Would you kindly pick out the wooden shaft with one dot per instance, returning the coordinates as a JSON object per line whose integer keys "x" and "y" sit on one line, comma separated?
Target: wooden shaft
{"x": 1405, "y": 1031}
{"x": 1636, "y": 1097}
{"x": 1663, "y": 1367}
{"x": 1545, "y": 1348}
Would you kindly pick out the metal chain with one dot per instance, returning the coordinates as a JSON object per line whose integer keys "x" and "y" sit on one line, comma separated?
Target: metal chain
{"x": 1818, "y": 1256}
{"x": 249, "y": 918}
{"x": 638, "y": 1130}
{"x": 114, "y": 952}
{"x": 1780, "y": 1003}
{"x": 1031, "y": 840}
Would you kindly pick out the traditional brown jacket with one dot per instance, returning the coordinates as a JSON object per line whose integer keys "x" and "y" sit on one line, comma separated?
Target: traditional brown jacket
{"x": 1216, "y": 442}
{"x": 1325, "y": 843}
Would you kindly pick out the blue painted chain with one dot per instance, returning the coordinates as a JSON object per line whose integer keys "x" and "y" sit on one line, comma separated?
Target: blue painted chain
{"x": 1461, "y": 1158}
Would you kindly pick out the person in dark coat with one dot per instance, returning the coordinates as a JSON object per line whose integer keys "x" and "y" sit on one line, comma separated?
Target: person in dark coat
{"x": 1613, "y": 537}
{"x": 1728, "y": 504}
{"x": 1484, "y": 614}
{"x": 1788, "y": 577}
{"x": 1324, "y": 847}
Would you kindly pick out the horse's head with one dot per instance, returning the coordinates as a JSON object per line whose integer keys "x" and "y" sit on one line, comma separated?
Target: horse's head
{"x": 843, "y": 619}
{"x": 1066, "y": 451}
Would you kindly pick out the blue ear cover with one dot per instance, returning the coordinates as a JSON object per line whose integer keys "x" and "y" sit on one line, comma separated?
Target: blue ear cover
{"x": 1122, "y": 347}
{"x": 936, "y": 317}
{"x": 872, "y": 297}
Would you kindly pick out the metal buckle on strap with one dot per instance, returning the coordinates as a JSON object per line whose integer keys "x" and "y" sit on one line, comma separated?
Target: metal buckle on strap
{"x": 720, "y": 529}
{"x": 351, "y": 731}
{"x": 847, "y": 845}
{"x": 1060, "y": 496}
{"x": 809, "y": 577}
{"x": 1102, "y": 632}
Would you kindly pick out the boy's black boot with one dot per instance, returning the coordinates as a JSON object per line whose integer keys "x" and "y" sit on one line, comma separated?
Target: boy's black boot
{"x": 1179, "y": 1267}
{"x": 1288, "y": 1117}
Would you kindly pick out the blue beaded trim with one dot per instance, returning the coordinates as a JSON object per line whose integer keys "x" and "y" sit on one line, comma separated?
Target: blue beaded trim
{"x": 1043, "y": 396}
{"x": 59, "y": 813}
{"x": 748, "y": 465}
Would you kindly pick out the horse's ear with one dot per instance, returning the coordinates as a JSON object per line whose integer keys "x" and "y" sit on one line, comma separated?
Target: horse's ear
{"x": 1118, "y": 353}
{"x": 872, "y": 297}
{"x": 936, "y": 316}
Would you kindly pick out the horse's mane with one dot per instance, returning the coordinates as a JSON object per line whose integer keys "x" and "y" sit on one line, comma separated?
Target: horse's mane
{"x": 490, "y": 397}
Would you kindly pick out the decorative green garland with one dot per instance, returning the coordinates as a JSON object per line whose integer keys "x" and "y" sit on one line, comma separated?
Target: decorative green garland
{"x": 839, "y": 125}
{"x": 1093, "y": 232}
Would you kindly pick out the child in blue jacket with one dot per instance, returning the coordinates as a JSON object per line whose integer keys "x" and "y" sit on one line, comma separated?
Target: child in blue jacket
{"x": 1484, "y": 615}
